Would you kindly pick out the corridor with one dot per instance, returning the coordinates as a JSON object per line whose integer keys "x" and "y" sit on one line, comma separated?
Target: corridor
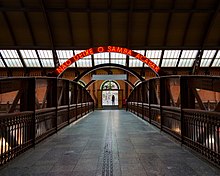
{"x": 109, "y": 142}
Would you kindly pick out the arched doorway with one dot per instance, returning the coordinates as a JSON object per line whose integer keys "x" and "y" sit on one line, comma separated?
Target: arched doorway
{"x": 110, "y": 91}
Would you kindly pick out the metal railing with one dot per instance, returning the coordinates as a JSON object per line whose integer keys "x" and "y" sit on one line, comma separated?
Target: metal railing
{"x": 198, "y": 129}
{"x": 33, "y": 121}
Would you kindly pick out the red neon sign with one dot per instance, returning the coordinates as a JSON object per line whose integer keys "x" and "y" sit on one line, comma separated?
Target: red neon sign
{"x": 103, "y": 49}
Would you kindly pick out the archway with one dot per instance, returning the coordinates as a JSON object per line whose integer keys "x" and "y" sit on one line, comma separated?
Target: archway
{"x": 122, "y": 67}
{"x": 110, "y": 91}
{"x": 102, "y": 49}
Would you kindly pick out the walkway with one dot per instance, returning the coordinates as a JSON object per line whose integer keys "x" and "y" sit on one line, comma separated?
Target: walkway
{"x": 109, "y": 142}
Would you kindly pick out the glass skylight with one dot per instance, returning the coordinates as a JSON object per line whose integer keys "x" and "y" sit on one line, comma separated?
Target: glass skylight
{"x": 169, "y": 62}
{"x": 64, "y": 60}
{"x": 186, "y": 62}
{"x": 64, "y": 54}
{"x": 7, "y": 54}
{"x": 171, "y": 54}
{"x": 191, "y": 54}
{"x": 119, "y": 61}
{"x": 79, "y": 51}
{"x": 1, "y": 63}
{"x": 32, "y": 62}
{"x": 46, "y": 54}
{"x": 208, "y": 54}
{"x": 135, "y": 63}
{"x": 13, "y": 62}
{"x": 84, "y": 62}
{"x": 205, "y": 62}
{"x": 101, "y": 55}
{"x": 28, "y": 54}
{"x": 216, "y": 62}
{"x": 117, "y": 56}
{"x": 47, "y": 62}
{"x": 101, "y": 61}
{"x": 153, "y": 54}
{"x": 101, "y": 58}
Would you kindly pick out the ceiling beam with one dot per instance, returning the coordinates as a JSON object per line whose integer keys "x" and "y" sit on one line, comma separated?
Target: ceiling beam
{"x": 109, "y": 26}
{"x": 31, "y": 32}
{"x": 188, "y": 23}
{"x": 69, "y": 24}
{"x": 90, "y": 29}
{"x": 83, "y": 47}
{"x": 211, "y": 22}
{"x": 55, "y": 58}
{"x": 102, "y": 10}
{"x": 14, "y": 40}
{"x": 179, "y": 58}
{"x": 148, "y": 23}
{"x": 129, "y": 28}
{"x": 168, "y": 23}
{"x": 161, "y": 58}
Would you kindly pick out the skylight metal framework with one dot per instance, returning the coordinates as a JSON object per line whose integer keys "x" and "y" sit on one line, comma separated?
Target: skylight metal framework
{"x": 170, "y": 58}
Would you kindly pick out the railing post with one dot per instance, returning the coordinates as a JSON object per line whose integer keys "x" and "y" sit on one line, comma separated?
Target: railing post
{"x": 183, "y": 99}
{"x": 150, "y": 98}
{"x": 55, "y": 94}
{"x": 68, "y": 101}
{"x": 162, "y": 100}
{"x": 32, "y": 97}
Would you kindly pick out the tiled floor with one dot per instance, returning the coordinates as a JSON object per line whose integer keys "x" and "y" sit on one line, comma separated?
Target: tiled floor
{"x": 109, "y": 142}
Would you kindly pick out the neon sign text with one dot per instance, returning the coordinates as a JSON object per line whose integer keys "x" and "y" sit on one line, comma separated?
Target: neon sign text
{"x": 102, "y": 49}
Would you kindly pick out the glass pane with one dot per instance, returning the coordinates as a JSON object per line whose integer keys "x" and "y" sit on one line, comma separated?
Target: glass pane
{"x": 47, "y": 62}
{"x": 101, "y": 55}
{"x": 169, "y": 62}
{"x": 216, "y": 63}
{"x": 79, "y": 51}
{"x": 119, "y": 61}
{"x": 45, "y": 53}
{"x": 32, "y": 62}
{"x": 64, "y": 54}
{"x": 28, "y": 53}
{"x": 171, "y": 54}
{"x": 153, "y": 54}
{"x": 9, "y": 54}
{"x": 117, "y": 56}
{"x": 208, "y": 53}
{"x": 135, "y": 63}
{"x": 13, "y": 62}
{"x": 186, "y": 62}
{"x": 189, "y": 54}
{"x": 101, "y": 61}
{"x": 84, "y": 63}
{"x": 1, "y": 63}
{"x": 205, "y": 62}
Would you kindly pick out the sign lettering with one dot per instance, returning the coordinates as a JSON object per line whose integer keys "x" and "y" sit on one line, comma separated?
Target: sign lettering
{"x": 103, "y": 49}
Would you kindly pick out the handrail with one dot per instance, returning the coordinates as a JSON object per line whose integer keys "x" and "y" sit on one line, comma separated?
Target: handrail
{"x": 194, "y": 128}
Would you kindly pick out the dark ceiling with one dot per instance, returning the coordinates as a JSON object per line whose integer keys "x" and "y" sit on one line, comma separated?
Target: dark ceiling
{"x": 137, "y": 24}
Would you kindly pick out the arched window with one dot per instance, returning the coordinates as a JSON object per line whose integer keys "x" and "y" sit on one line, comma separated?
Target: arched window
{"x": 110, "y": 85}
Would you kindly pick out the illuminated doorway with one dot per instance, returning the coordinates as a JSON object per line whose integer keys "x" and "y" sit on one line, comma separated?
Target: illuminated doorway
{"x": 110, "y": 90}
